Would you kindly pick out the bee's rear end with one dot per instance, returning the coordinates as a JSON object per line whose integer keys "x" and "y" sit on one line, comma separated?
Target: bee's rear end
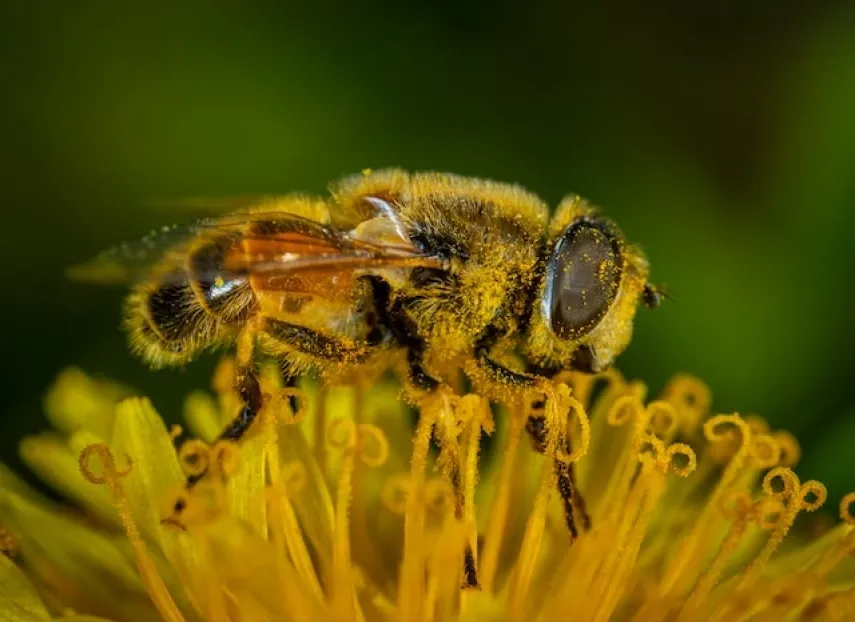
{"x": 189, "y": 304}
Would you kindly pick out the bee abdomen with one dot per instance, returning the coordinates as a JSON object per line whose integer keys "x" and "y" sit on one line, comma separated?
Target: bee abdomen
{"x": 173, "y": 318}
{"x": 226, "y": 296}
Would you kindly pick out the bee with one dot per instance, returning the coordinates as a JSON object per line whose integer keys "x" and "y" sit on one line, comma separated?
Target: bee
{"x": 433, "y": 273}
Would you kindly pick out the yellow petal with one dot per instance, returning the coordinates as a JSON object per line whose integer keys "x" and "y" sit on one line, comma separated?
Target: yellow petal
{"x": 202, "y": 416}
{"x": 18, "y": 599}
{"x": 87, "y": 570}
{"x": 77, "y": 400}
{"x": 246, "y": 487}
{"x": 141, "y": 435}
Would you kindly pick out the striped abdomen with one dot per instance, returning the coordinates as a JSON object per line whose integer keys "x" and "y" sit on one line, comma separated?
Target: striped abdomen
{"x": 189, "y": 305}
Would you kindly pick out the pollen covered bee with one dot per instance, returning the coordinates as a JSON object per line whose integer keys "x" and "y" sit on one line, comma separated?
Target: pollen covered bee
{"x": 432, "y": 273}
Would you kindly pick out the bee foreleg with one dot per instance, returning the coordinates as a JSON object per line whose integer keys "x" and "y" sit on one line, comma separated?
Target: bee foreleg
{"x": 496, "y": 372}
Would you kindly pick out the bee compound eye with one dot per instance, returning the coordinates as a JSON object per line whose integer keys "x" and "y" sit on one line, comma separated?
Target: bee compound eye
{"x": 583, "y": 277}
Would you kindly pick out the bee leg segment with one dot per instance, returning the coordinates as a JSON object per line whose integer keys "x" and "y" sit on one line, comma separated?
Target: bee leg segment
{"x": 496, "y": 372}
{"x": 289, "y": 381}
{"x": 249, "y": 390}
{"x": 565, "y": 477}
{"x": 450, "y": 455}
{"x": 391, "y": 314}
{"x": 315, "y": 344}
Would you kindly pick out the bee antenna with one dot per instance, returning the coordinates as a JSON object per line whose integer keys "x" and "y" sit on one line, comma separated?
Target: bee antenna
{"x": 653, "y": 295}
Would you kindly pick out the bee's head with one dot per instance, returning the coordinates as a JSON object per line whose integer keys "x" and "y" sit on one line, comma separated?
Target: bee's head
{"x": 589, "y": 291}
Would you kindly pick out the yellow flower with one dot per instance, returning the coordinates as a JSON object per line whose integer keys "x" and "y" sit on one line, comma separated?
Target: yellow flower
{"x": 341, "y": 512}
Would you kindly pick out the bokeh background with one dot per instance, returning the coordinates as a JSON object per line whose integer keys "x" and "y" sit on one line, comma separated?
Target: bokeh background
{"x": 719, "y": 135}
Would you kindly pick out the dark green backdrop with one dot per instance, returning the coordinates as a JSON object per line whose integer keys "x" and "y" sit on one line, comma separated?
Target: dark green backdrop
{"x": 722, "y": 139}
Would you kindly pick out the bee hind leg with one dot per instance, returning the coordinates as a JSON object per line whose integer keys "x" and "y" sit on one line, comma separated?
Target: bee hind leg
{"x": 248, "y": 388}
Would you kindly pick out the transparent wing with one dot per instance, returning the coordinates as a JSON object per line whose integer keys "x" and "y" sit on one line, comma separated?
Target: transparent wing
{"x": 266, "y": 243}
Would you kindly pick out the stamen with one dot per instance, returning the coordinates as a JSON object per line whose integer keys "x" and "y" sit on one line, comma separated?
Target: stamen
{"x": 791, "y": 451}
{"x": 624, "y": 409}
{"x": 224, "y": 458}
{"x": 193, "y": 458}
{"x": 411, "y": 591}
{"x": 395, "y": 492}
{"x": 765, "y": 451}
{"x": 572, "y": 405}
{"x": 343, "y": 591}
{"x": 689, "y": 463}
{"x": 527, "y": 558}
{"x": 175, "y": 432}
{"x": 497, "y": 523}
{"x": 111, "y": 476}
{"x": 368, "y": 436}
{"x": 791, "y": 493}
{"x": 663, "y": 420}
{"x": 847, "y": 508}
{"x": 476, "y": 411}
{"x": 679, "y": 573}
{"x": 341, "y": 433}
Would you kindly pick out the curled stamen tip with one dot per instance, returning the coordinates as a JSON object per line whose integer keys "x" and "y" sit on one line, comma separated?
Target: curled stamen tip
{"x": 663, "y": 419}
{"x": 224, "y": 458}
{"x": 788, "y": 483}
{"x": 791, "y": 451}
{"x": 368, "y": 431}
{"x": 110, "y": 473}
{"x": 815, "y": 490}
{"x": 194, "y": 457}
{"x": 847, "y": 508}
{"x": 765, "y": 451}
{"x": 680, "y": 452}
{"x": 649, "y": 445}
{"x": 342, "y": 433}
{"x": 623, "y": 410}
{"x": 719, "y": 428}
{"x": 688, "y": 391}
{"x": 395, "y": 492}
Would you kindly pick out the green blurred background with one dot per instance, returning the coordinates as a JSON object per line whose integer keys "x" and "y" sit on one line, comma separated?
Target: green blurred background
{"x": 722, "y": 139}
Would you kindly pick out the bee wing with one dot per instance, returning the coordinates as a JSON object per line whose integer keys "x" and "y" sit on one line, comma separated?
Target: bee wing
{"x": 131, "y": 261}
{"x": 270, "y": 243}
